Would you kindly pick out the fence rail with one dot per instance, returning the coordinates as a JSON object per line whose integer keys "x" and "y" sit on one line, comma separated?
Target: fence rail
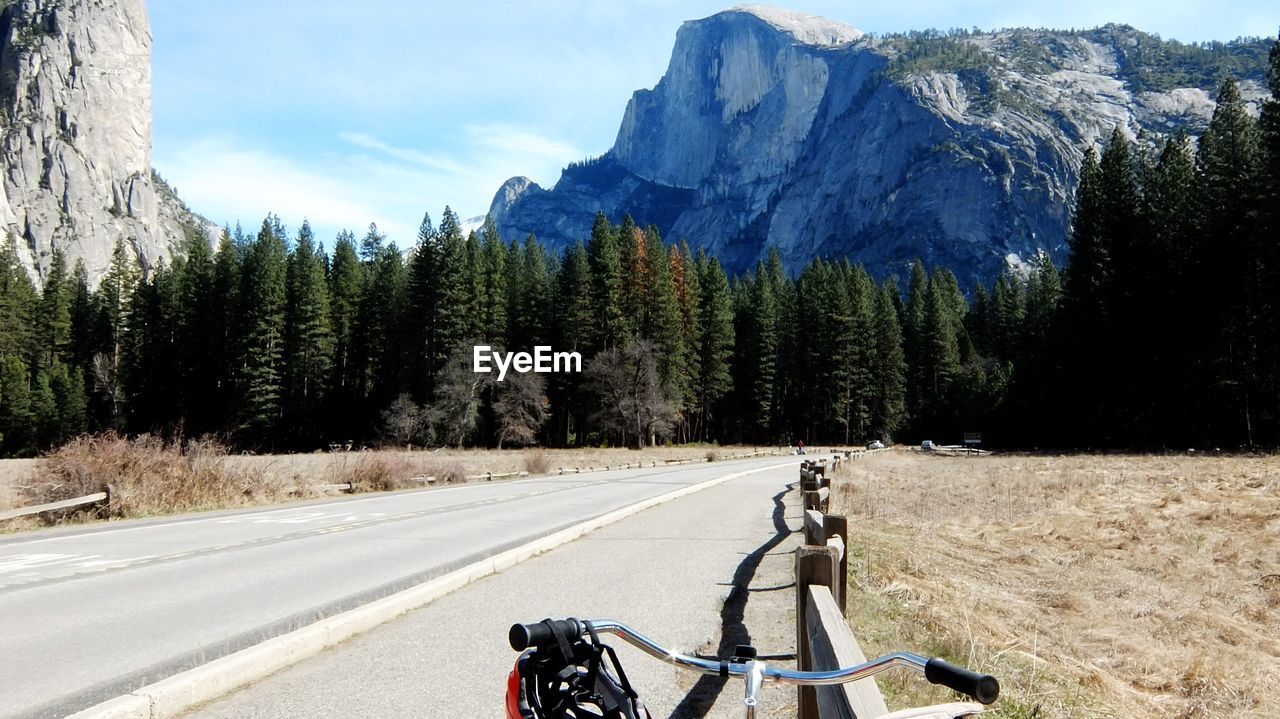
{"x": 102, "y": 498}
{"x": 823, "y": 637}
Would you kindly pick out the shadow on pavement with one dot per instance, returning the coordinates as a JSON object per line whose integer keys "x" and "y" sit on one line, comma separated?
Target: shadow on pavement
{"x": 733, "y": 631}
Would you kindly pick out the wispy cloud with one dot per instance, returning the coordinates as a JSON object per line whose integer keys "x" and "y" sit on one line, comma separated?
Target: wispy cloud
{"x": 519, "y": 142}
{"x": 405, "y": 154}
{"x": 229, "y": 182}
{"x": 359, "y": 180}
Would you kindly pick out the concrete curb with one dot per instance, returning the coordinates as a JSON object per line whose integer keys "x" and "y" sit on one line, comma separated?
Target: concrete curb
{"x": 174, "y": 695}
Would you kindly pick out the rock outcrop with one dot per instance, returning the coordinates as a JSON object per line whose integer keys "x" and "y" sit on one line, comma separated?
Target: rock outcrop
{"x": 75, "y": 138}
{"x": 776, "y": 129}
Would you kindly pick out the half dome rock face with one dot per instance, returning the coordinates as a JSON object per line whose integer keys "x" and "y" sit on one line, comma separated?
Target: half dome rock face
{"x": 772, "y": 129}
{"x": 75, "y": 143}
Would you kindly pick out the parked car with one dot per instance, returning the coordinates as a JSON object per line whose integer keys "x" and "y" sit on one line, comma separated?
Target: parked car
{"x": 927, "y": 445}
{"x": 875, "y": 444}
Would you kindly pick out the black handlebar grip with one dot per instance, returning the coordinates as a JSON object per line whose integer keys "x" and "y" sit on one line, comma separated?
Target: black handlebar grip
{"x": 523, "y": 636}
{"x": 982, "y": 687}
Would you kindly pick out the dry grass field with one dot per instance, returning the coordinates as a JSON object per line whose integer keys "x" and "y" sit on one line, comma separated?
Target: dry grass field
{"x": 1092, "y": 586}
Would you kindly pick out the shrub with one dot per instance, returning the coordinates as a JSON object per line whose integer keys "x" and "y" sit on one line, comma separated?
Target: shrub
{"x": 447, "y": 472}
{"x": 537, "y": 463}
{"x": 376, "y": 473}
{"x": 151, "y": 476}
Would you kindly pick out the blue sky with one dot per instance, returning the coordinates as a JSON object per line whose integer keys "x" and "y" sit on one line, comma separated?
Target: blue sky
{"x": 349, "y": 113}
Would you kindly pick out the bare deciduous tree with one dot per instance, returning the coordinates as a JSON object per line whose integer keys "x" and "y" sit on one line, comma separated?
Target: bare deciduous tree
{"x": 405, "y": 422}
{"x": 456, "y": 409}
{"x": 629, "y": 386}
{"x": 520, "y": 406}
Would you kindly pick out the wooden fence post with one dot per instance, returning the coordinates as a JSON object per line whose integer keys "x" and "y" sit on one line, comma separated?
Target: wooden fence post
{"x": 834, "y": 525}
{"x": 814, "y": 565}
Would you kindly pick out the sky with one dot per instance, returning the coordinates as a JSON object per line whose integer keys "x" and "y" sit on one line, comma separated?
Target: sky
{"x": 346, "y": 113}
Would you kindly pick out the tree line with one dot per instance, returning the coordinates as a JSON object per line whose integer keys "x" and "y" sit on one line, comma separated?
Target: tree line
{"x": 1160, "y": 332}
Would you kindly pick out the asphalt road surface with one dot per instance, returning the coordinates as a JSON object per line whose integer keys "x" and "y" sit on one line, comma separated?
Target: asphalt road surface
{"x": 703, "y": 573}
{"x": 88, "y": 614}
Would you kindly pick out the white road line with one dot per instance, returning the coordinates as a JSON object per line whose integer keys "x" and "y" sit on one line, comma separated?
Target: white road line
{"x": 36, "y": 561}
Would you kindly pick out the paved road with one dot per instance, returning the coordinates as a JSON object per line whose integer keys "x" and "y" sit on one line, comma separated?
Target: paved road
{"x": 703, "y": 573}
{"x": 90, "y": 614}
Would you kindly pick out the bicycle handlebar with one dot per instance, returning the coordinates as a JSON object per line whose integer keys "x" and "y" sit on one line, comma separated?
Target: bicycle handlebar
{"x": 982, "y": 687}
{"x": 523, "y": 636}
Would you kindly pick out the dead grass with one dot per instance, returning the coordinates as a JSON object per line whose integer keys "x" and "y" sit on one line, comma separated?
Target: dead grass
{"x": 1118, "y": 586}
{"x": 481, "y": 461}
{"x": 150, "y": 476}
{"x": 538, "y": 462}
{"x": 375, "y": 472}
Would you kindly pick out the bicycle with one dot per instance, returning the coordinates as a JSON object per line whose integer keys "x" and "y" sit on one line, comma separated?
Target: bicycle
{"x": 562, "y": 675}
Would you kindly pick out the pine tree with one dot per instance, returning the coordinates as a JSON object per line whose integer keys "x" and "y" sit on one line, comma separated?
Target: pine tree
{"x": 83, "y": 319}
{"x": 197, "y": 319}
{"x": 939, "y": 359}
{"x": 112, "y": 300}
{"x": 1229, "y": 166}
{"x": 860, "y": 360}
{"x": 755, "y": 355}
{"x": 70, "y": 402}
{"x": 1080, "y": 342}
{"x": 260, "y": 359}
{"x": 1088, "y": 272}
{"x": 634, "y": 280}
{"x": 16, "y": 414}
{"x": 685, "y": 281}
{"x": 53, "y": 316}
{"x": 151, "y": 368}
{"x": 308, "y": 340}
{"x": 473, "y": 303}
{"x": 494, "y": 298}
{"x": 605, "y": 260}
{"x": 715, "y": 343}
{"x": 1008, "y": 317}
{"x": 17, "y": 303}
{"x": 346, "y": 285}
{"x": 913, "y": 328}
{"x": 1164, "y": 294}
{"x": 786, "y": 331}
{"x": 433, "y": 323}
{"x": 1268, "y": 246}
{"x": 377, "y": 322}
{"x": 224, "y": 327}
{"x": 530, "y": 326}
{"x": 889, "y": 406}
{"x": 17, "y": 343}
{"x": 573, "y": 331}
{"x": 661, "y": 315}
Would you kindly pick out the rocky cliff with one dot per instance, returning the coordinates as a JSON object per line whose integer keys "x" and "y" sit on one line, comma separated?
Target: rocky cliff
{"x": 75, "y": 134}
{"x": 775, "y": 129}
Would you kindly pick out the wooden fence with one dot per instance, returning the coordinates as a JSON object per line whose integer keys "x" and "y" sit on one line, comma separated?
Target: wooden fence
{"x": 101, "y": 499}
{"x": 823, "y": 638}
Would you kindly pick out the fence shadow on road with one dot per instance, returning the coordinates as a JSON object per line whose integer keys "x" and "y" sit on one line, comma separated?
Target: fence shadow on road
{"x": 733, "y": 630}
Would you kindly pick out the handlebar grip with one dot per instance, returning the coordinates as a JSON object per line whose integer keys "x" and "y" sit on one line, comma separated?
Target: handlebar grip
{"x": 982, "y": 687}
{"x": 523, "y": 636}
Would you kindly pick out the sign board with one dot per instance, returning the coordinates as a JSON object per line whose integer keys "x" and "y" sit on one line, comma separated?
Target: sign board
{"x": 972, "y": 438}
